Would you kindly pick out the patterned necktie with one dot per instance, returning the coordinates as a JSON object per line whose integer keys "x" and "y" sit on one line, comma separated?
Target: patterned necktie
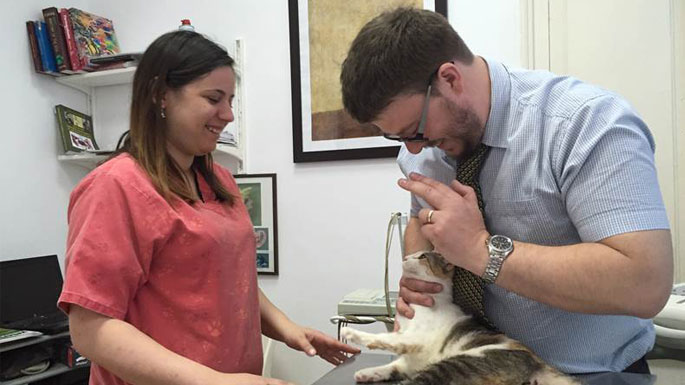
{"x": 468, "y": 287}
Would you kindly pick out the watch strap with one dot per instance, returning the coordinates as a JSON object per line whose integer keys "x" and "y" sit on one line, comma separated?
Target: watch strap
{"x": 497, "y": 258}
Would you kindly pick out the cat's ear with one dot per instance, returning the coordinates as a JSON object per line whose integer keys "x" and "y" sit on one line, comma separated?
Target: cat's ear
{"x": 435, "y": 265}
{"x": 439, "y": 263}
{"x": 415, "y": 255}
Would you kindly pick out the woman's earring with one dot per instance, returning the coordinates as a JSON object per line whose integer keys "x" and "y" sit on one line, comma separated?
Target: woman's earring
{"x": 162, "y": 114}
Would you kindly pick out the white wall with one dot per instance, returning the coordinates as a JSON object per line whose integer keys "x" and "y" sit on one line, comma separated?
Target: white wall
{"x": 332, "y": 216}
{"x": 491, "y": 28}
{"x": 35, "y": 187}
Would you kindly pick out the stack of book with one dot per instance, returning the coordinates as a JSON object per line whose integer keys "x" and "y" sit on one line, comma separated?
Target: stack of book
{"x": 72, "y": 41}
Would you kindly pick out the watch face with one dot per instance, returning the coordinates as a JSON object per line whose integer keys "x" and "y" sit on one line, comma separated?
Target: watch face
{"x": 501, "y": 243}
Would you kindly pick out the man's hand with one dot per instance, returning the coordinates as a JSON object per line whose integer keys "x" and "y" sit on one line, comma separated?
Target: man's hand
{"x": 456, "y": 228}
{"x": 415, "y": 291}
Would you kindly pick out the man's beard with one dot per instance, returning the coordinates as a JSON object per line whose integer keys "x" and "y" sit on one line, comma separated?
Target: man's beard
{"x": 464, "y": 126}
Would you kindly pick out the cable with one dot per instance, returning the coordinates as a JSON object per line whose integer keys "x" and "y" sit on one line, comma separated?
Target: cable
{"x": 395, "y": 219}
{"x": 388, "y": 319}
{"x": 37, "y": 368}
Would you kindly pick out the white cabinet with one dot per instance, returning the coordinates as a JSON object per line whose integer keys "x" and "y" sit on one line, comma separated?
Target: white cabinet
{"x": 232, "y": 157}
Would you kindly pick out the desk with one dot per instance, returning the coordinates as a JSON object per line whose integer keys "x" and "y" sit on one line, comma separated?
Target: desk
{"x": 344, "y": 374}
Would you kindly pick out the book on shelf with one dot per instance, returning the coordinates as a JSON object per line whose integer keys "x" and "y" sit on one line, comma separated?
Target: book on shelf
{"x": 94, "y": 36}
{"x": 72, "y": 49}
{"x": 117, "y": 58}
{"x": 76, "y": 130}
{"x": 109, "y": 62}
{"x": 112, "y": 66}
{"x": 9, "y": 335}
{"x": 56, "y": 34}
{"x": 227, "y": 137}
{"x": 45, "y": 47}
{"x": 33, "y": 43}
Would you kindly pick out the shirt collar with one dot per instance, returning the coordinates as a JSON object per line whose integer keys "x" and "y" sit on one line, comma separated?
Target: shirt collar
{"x": 500, "y": 88}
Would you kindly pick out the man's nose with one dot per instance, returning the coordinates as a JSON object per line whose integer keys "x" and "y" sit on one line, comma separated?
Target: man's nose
{"x": 414, "y": 147}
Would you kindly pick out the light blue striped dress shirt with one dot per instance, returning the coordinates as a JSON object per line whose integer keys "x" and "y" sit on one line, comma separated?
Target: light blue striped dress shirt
{"x": 569, "y": 163}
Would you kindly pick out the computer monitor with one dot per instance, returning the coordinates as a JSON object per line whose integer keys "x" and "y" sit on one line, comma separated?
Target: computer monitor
{"x": 29, "y": 288}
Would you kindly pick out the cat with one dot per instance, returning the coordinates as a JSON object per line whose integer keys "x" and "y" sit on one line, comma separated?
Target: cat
{"x": 442, "y": 345}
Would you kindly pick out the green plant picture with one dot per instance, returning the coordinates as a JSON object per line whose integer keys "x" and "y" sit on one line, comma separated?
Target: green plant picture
{"x": 252, "y": 197}
{"x": 259, "y": 195}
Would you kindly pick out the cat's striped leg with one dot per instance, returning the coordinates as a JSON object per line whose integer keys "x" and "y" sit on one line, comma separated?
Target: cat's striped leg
{"x": 393, "y": 371}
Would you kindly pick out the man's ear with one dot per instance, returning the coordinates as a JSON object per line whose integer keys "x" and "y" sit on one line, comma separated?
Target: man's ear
{"x": 450, "y": 75}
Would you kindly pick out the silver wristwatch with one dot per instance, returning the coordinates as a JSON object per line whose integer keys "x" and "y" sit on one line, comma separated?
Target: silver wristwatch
{"x": 499, "y": 248}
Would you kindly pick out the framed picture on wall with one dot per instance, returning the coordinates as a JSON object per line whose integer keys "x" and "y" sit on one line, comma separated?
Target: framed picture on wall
{"x": 259, "y": 195}
{"x": 321, "y": 32}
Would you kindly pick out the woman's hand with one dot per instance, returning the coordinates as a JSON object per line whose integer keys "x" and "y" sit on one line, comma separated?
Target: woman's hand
{"x": 313, "y": 342}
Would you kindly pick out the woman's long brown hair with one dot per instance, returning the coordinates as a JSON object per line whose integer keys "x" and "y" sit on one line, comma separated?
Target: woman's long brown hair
{"x": 170, "y": 62}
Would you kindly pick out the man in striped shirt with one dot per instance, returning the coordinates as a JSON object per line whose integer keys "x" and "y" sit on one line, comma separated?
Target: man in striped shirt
{"x": 569, "y": 177}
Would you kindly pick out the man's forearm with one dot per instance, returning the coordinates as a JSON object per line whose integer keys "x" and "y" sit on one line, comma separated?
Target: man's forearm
{"x": 413, "y": 239}
{"x": 595, "y": 277}
{"x": 628, "y": 274}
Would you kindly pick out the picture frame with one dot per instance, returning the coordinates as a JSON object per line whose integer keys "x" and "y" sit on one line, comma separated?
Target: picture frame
{"x": 259, "y": 195}
{"x": 322, "y": 130}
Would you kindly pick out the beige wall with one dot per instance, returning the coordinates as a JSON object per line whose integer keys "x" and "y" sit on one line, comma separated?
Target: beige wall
{"x": 678, "y": 23}
{"x": 634, "y": 48}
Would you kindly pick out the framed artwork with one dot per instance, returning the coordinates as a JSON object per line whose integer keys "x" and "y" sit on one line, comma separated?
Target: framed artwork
{"x": 259, "y": 196}
{"x": 321, "y": 32}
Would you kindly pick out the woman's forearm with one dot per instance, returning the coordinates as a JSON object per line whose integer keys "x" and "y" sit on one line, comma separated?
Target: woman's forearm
{"x": 274, "y": 321}
{"x": 130, "y": 354}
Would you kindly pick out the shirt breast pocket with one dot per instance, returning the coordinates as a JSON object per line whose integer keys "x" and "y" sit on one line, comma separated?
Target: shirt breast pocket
{"x": 529, "y": 220}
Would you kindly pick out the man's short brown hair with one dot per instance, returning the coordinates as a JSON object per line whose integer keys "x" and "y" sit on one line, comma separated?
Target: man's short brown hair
{"x": 396, "y": 53}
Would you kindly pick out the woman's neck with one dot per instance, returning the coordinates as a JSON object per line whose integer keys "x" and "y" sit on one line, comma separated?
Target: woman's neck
{"x": 184, "y": 161}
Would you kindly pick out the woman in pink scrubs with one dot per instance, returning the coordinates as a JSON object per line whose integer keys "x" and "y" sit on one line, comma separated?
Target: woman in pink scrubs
{"x": 161, "y": 284}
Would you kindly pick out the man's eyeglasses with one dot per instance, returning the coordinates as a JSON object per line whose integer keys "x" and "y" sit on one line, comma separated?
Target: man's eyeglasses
{"x": 418, "y": 137}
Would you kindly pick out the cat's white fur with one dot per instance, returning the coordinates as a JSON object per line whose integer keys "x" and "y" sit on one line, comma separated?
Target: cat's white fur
{"x": 419, "y": 340}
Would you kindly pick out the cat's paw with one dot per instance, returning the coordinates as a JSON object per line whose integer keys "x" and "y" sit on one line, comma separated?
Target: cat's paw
{"x": 350, "y": 335}
{"x": 370, "y": 375}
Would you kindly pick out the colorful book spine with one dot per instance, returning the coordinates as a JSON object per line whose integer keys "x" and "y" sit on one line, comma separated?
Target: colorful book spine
{"x": 51, "y": 16}
{"x": 44, "y": 46}
{"x": 35, "y": 51}
{"x": 72, "y": 48}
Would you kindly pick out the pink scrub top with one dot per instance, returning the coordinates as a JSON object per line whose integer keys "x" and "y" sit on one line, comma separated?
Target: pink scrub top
{"x": 184, "y": 275}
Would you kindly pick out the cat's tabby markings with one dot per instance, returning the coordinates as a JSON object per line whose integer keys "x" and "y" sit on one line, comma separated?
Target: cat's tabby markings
{"x": 442, "y": 345}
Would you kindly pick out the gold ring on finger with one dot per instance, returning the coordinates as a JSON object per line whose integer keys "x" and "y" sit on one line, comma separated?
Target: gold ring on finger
{"x": 429, "y": 218}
